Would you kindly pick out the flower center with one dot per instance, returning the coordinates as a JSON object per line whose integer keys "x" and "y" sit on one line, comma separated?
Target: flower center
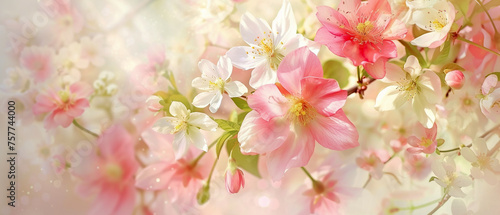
{"x": 301, "y": 111}
{"x": 364, "y": 27}
{"x": 181, "y": 125}
{"x": 218, "y": 84}
{"x": 426, "y": 142}
{"x": 113, "y": 171}
{"x": 438, "y": 26}
{"x": 64, "y": 95}
{"x": 266, "y": 47}
{"x": 409, "y": 87}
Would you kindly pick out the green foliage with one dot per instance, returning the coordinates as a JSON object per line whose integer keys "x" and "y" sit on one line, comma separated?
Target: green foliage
{"x": 241, "y": 103}
{"x": 249, "y": 163}
{"x": 222, "y": 140}
{"x": 334, "y": 69}
{"x": 227, "y": 125}
{"x": 442, "y": 54}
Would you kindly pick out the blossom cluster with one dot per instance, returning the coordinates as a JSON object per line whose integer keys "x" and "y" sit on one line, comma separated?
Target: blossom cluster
{"x": 257, "y": 107}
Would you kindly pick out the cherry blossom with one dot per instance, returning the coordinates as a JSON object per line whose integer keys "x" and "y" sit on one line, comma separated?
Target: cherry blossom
{"x": 62, "y": 104}
{"x": 362, "y": 32}
{"x": 490, "y": 101}
{"x": 234, "y": 177}
{"x": 426, "y": 144}
{"x": 215, "y": 81}
{"x": 39, "y": 61}
{"x": 267, "y": 46}
{"x": 455, "y": 79}
{"x": 484, "y": 166}
{"x": 448, "y": 178}
{"x": 437, "y": 20}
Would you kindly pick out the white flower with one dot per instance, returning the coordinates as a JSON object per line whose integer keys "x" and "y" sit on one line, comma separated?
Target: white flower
{"x": 421, "y": 88}
{"x": 414, "y": 6}
{"x": 448, "y": 178}
{"x": 458, "y": 208}
{"x": 483, "y": 165}
{"x": 437, "y": 20}
{"x": 268, "y": 46}
{"x": 186, "y": 128}
{"x": 215, "y": 81}
{"x": 490, "y": 101}
{"x": 92, "y": 50}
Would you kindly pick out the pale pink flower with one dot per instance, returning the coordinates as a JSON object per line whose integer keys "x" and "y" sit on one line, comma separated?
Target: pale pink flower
{"x": 109, "y": 172}
{"x": 490, "y": 102}
{"x": 92, "y": 50}
{"x": 362, "y": 32}
{"x": 484, "y": 165}
{"x": 448, "y": 178}
{"x": 427, "y": 143}
{"x": 67, "y": 21}
{"x": 288, "y": 118}
{"x": 438, "y": 20}
{"x": 267, "y": 46}
{"x": 234, "y": 177}
{"x": 153, "y": 103}
{"x": 39, "y": 61}
{"x": 62, "y": 104}
{"x": 417, "y": 166}
{"x": 455, "y": 79}
{"x": 373, "y": 162}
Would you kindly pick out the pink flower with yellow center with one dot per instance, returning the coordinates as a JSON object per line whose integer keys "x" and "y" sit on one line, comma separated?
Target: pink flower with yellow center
{"x": 288, "y": 117}
{"x": 426, "y": 144}
{"x": 62, "y": 104}
{"x": 362, "y": 32}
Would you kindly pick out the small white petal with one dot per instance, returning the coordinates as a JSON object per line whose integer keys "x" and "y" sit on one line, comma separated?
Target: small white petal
{"x": 490, "y": 177}
{"x": 202, "y": 121}
{"x": 389, "y": 99}
{"x": 200, "y": 83}
{"x": 197, "y": 138}
{"x": 480, "y": 145}
{"x": 243, "y": 58}
{"x": 476, "y": 173}
{"x": 251, "y": 28}
{"x": 235, "y": 89}
{"x": 458, "y": 207}
{"x": 456, "y": 192}
{"x": 263, "y": 75}
{"x": 427, "y": 39}
{"x": 224, "y": 67}
{"x": 438, "y": 169}
{"x": 208, "y": 70}
{"x": 203, "y": 99}
{"x": 165, "y": 125}
{"x": 178, "y": 110}
{"x": 412, "y": 66}
{"x": 469, "y": 154}
{"x": 462, "y": 181}
{"x": 216, "y": 101}
{"x": 180, "y": 144}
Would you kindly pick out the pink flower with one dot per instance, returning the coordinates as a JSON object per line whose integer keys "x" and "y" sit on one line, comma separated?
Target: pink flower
{"x": 417, "y": 166}
{"x": 39, "y": 62}
{"x": 373, "y": 162}
{"x": 110, "y": 172}
{"x": 63, "y": 105}
{"x": 426, "y": 144}
{"x": 490, "y": 101}
{"x": 288, "y": 118}
{"x": 455, "y": 79}
{"x": 362, "y": 32}
{"x": 234, "y": 177}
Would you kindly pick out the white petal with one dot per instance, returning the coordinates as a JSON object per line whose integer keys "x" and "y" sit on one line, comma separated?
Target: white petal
{"x": 224, "y": 67}
{"x": 202, "y": 121}
{"x": 180, "y": 144}
{"x": 201, "y": 84}
{"x": 251, "y": 28}
{"x": 438, "y": 169}
{"x": 476, "y": 173}
{"x": 284, "y": 25}
{"x": 203, "y": 99}
{"x": 456, "y": 192}
{"x": 208, "y": 70}
{"x": 425, "y": 112}
{"x": 244, "y": 58}
{"x": 262, "y": 75}
{"x": 490, "y": 177}
{"x": 458, "y": 207}
{"x": 480, "y": 145}
{"x": 425, "y": 40}
{"x": 389, "y": 99}
{"x": 235, "y": 89}
{"x": 462, "y": 181}
{"x": 197, "y": 138}
{"x": 165, "y": 125}
{"x": 178, "y": 110}
{"x": 412, "y": 66}
{"x": 216, "y": 101}
{"x": 469, "y": 154}
{"x": 425, "y": 17}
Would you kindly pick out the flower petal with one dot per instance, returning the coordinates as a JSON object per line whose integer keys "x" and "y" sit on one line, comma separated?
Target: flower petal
{"x": 208, "y": 70}
{"x": 297, "y": 65}
{"x": 389, "y": 99}
{"x": 216, "y": 101}
{"x": 376, "y": 69}
{"x": 284, "y": 25}
{"x": 224, "y": 67}
{"x": 235, "y": 89}
{"x": 333, "y": 42}
{"x": 336, "y": 132}
{"x": 324, "y": 95}
{"x": 251, "y": 28}
{"x": 203, "y": 99}
{"x": 147, "y": 178}
{"x": 268, "y": 102}
{"x": 178, "y": 110}
{"x": 262, "y": 75}
{"x": 165, "y": 125}
{"x": 202, "y": 121}
{"x": 197, "y": 139}
{"x": 260, "y": 136}
{"x": 468, "y": 154}
{"x": 180, "y": 144}
{"x": 243, "y": 58}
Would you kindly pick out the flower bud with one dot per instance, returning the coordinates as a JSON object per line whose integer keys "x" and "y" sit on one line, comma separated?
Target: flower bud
{"x": 203, "y": 195}
{"x": 153, "y": 103}
{"x": 234, "y": 177}
{"x": 455, "y": 79}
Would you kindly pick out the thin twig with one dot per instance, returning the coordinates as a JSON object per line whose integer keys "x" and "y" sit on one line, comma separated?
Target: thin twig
{"x": 440, "y": 204}
{"x": 84, "y": 129}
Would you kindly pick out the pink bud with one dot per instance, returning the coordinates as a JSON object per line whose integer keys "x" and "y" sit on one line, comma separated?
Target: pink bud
{"x": 153, "y": 103}
{"x": 234, "y": 180}
{"x": 455, "y": 79}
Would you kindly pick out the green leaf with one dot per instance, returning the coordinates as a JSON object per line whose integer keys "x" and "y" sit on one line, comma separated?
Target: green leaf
{"x": 432, "y": 178}
{"x": 440, "y": 56}
{"x": 241, "y": 117}
{"x": 249, "y": 163}
{"x": 494, "y": 73}
{"x": 241, "y": 103}
{"x": 227, "y": 125}
{"x": 222, "y": 140}
{"x": 234, "y": 116}
{"x": 334, "y": 69}
{"x": 412, "y": 50}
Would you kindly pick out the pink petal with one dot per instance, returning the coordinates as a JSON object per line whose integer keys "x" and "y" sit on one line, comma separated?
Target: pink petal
{"x": 106, "y": 201}
{"x": 324, "y": 95}
{"x": 336, "y": 132}
{"x": 116, "y": 143}
{"x": 373, "y": 52}
{"x": 297, "y": 65}
{"x": 259, "y": 136}
{"x": 268, "y": 102}
{"x": 352, "y": 51}
{"x": 374, "y": 7}
{"x": 348, "y": 6}
{"x": 126, "y": 203}
{"x": 377, "y": 69}
{"x": 296, "y": 151}
{"x": 154, "y": 177}
{"x": 413, "y": 141}
{"x": 81, "y": 89}
{"x": 331, "y": 20}
{"x": 61, "y": 118}
{"x": 334, "y": 43}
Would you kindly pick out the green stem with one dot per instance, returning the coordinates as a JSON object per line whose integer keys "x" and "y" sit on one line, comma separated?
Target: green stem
{"x": 84, "y": 129}
{"x": 420, "y": 206}
{"x": 211, "y": 172}
{"x": 195, "y": 161}
{"x": 394, "y": 176}
{"x": 477, "y": 45}
{"x": 482, "y": 136}
{"x": 308, "y": 175}
{"x": 367, "y": 181}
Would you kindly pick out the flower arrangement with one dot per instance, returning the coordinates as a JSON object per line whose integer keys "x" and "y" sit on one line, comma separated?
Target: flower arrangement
{"x": 209, "y": 107}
